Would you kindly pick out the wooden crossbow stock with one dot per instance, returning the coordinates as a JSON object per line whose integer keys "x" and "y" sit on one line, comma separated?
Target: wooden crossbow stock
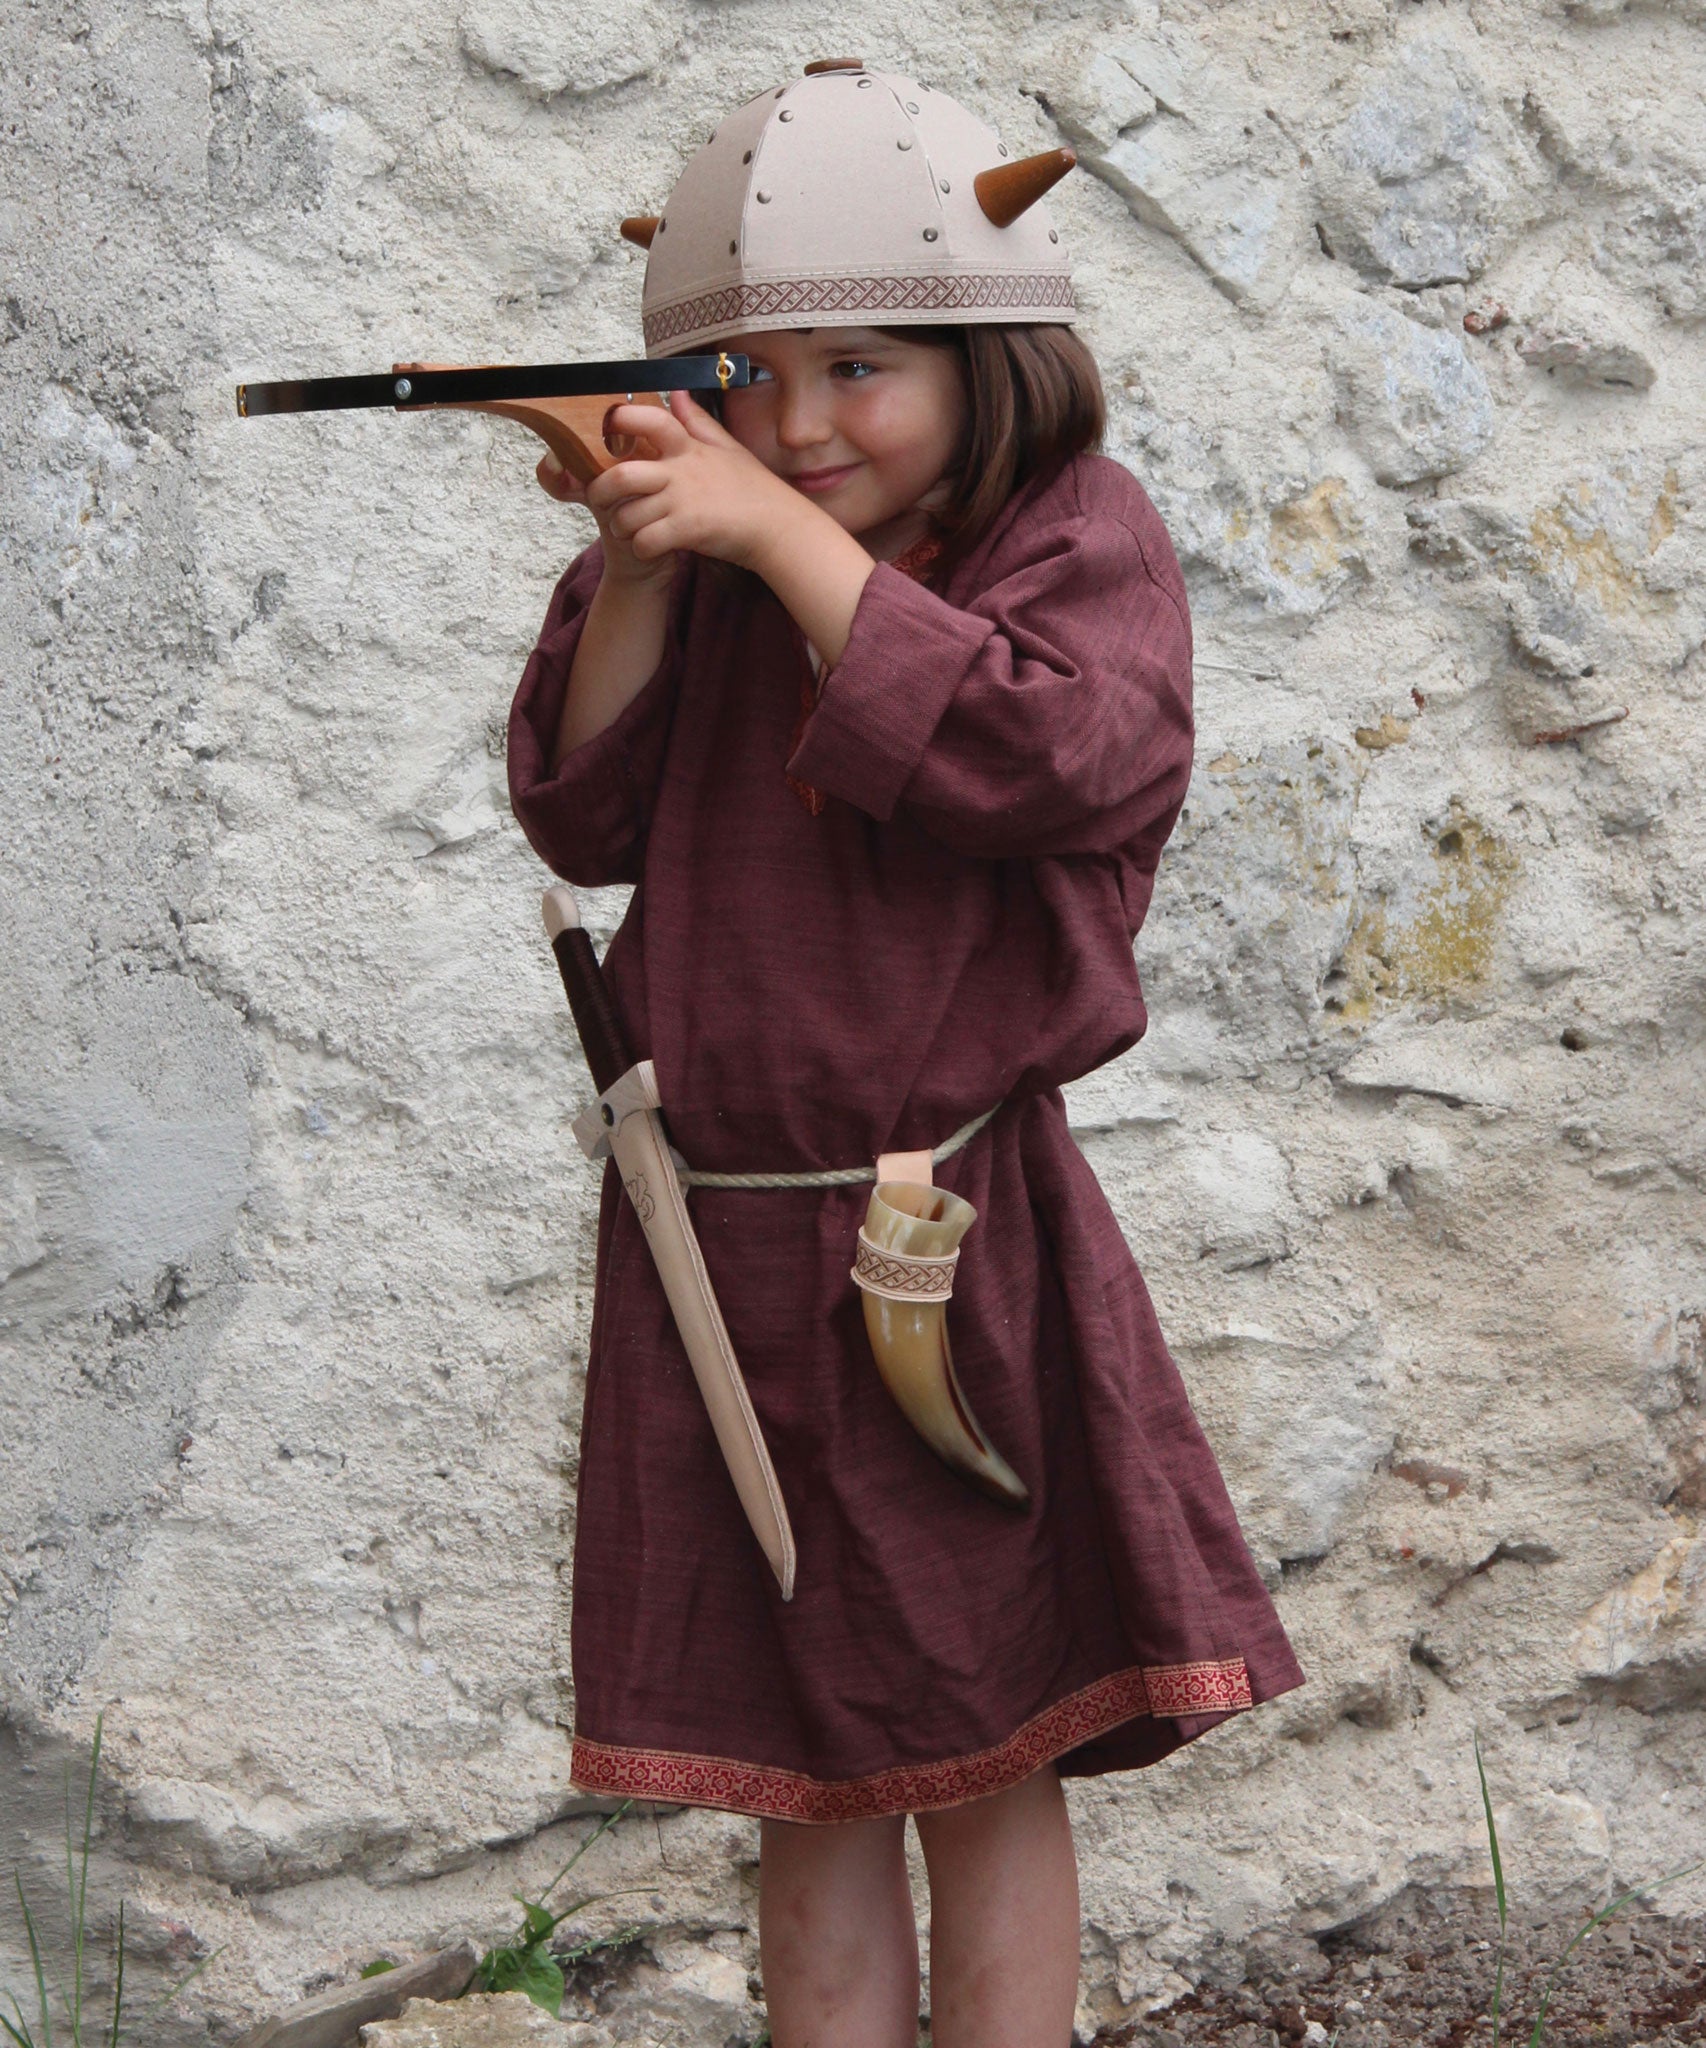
{"x": 565, "y": 404}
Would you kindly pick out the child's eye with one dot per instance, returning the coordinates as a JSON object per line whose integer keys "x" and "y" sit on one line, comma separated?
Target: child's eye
{"x": 854, "y": 365}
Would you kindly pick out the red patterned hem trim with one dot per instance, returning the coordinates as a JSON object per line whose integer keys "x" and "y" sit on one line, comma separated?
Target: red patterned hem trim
{"x": 682, "y": 1780}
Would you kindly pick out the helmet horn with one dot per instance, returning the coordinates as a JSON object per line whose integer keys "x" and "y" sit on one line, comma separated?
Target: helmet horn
{"x": 639, "y": 228}
{"x": 1007, "y": 189}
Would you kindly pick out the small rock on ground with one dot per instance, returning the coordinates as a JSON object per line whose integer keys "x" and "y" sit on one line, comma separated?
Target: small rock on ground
{"x": 482, "y": 2020}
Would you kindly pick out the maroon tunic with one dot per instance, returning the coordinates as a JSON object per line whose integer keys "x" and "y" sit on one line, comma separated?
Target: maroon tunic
{"x": 951, "y": 928}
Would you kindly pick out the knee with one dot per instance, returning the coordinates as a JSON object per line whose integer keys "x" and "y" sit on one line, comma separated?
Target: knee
{"x": 1037, "y": 1804}
{"x": 813, "y": 1880}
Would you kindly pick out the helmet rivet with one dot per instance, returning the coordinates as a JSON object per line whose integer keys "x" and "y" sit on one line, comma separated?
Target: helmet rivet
{"x": 1001, "y": 149}
{"x": 747, "y": 158}
{"x": 912, "y": 106}
{"x": 763, "y": 198}
{"x": 945, "y": 185}
{"x": 734, "y": 248}
{"x": 929, "y": 234}
{"x": 787, "y": 114}
{"x": 864, "y": 84}
{"x": 780, "y": 90}
{"x": 905, "y": 142}
{"x": 1053, "y": 236}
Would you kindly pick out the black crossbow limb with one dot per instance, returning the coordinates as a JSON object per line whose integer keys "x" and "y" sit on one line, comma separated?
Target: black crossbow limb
{"x": 565, "y": 404}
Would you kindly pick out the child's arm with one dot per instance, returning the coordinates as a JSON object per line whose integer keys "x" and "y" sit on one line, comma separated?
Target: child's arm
{"x": 620, "y": 647}
{"x": 622, "y": 640}
{"x": 585, "y": 800}
{"x": 1048, "y": 715}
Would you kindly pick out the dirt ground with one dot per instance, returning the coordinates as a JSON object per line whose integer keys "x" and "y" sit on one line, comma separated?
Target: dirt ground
{"x": 1423, "y": 1972}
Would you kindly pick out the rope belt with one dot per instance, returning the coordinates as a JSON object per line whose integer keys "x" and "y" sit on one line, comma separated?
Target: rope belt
{"x": 836, "y": 1177}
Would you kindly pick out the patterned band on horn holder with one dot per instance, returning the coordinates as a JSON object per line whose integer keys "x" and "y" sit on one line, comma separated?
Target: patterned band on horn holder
{"x": 902, "y": 1276}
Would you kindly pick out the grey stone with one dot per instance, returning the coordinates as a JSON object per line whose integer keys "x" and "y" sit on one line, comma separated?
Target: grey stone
{"x": 546, "y": 54}
{"x": 1415, "y": 404}
{"x": 1601, "y": 574}
{"x": 1641, "y": 161}
{"x": 1255, "y": 541}
{"x": 1588, "y": 359}
{"x": 1188, "y": 147}
{"x": 482, "y": 2020}
{"x": 1417, "y": 184}
{"x": 686, "y": 1994}
{"x": 1657, "y": 240}
{"x": 1645, "y": 1640}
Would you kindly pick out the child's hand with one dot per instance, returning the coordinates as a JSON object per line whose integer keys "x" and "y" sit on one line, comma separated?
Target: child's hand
{"x": 703, "y": 490}
{"x": 621, "y": 564}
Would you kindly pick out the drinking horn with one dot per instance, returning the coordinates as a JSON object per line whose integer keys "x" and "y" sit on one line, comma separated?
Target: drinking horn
{"x": 908, "y": 1249}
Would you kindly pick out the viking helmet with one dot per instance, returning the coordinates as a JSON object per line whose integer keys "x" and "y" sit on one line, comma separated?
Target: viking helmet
{"x": 851, "y": 197}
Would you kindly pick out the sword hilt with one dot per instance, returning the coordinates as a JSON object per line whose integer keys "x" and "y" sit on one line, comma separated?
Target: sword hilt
{"x": 602, "y": 1038}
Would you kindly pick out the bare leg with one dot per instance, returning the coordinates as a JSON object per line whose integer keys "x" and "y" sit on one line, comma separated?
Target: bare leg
{"x": 1003, "y": 1919}
{"x": 836, "y": 1935}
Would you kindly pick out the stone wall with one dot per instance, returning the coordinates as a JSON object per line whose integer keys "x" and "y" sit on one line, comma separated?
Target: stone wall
{"x": 1402, "y": 310}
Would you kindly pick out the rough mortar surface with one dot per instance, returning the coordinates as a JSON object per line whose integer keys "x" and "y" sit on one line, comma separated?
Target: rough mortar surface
{"x": 1402, "y": 313}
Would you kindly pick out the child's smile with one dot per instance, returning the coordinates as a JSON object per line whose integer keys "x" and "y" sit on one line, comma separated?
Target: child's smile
{"x": 861, "y": 423}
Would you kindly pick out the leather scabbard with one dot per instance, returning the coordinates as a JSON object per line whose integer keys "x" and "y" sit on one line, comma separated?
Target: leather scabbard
{"x": 641, "y": 1151}
{"x": 626, "y": 1122}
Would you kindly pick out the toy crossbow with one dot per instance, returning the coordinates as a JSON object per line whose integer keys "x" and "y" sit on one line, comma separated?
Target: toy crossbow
{"x": 565, "y": 404}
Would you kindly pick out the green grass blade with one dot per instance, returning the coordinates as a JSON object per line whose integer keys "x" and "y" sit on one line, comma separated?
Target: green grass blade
{"x": 36, "y": 1964}
{"x": 1492, "y": 1831}
{"x": 172, "y": 1990}
{"x": 575, "y": 1906}
{"x": 624, "y": 1937}
{"x": 118, "y": 1979}
{"x": 78, "y": 1885}
{"x": 1498, "y": 1888}
{"x": 598, "y": 1833}
{"x": 20, "y": 2035}
{"x": 1599, "y": 1919}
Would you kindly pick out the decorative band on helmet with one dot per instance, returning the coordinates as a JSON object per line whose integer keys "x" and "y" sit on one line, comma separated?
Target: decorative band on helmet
{"x": 843, "y": 301}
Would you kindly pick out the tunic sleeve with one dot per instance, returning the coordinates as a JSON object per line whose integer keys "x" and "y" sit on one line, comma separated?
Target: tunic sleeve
{"x": 1050, "y": 715}
{"x": 587, "y": 821}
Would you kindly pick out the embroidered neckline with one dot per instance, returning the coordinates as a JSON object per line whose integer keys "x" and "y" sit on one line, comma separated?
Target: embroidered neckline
{"x": 914, "y": 562}
{"x": 922, "y": 554}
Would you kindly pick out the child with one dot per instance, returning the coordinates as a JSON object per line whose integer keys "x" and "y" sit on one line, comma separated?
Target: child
{"x": 879, "y": 691}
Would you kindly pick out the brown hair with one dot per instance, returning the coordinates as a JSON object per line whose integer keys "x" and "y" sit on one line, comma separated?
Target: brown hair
{"x": 1034, "y": 400}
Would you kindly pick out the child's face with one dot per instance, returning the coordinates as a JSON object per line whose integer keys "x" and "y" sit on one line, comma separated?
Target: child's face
{"x": 863, "y": 425}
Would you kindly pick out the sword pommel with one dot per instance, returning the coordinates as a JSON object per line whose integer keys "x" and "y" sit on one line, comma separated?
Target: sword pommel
{"x": 562, "y": 912}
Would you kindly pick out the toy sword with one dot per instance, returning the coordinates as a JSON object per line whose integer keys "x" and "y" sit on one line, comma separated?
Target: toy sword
{"x": 625, "y": 1123}
{"x": 563, "y": 403}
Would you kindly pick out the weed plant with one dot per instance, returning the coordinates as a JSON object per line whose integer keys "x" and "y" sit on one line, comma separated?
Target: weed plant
{"x": 1640, "y": 1891}
{"x": 79, "y": 2026}
{"x": 527, "y": 1963}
